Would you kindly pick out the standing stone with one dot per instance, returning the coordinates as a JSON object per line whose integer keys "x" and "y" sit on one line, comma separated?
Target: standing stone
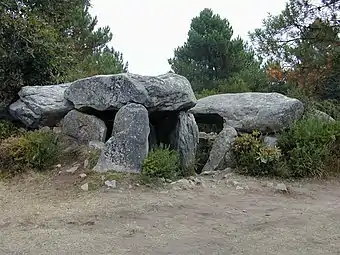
{"x": 185, "y": 139}
{"x": 83, "y": 127}
{"x": 126, "y": 150}
{"x": 221, "y": 155}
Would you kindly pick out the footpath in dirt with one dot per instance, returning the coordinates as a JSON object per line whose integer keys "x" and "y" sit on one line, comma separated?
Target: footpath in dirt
{"x": 232, "y": 215}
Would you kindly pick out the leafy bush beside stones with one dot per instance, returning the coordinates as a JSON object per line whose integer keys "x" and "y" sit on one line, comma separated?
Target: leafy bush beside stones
{"x": 31, "y": 150}
{"x": 8, "y": 129}
{"x": 253, "y": 157}
{"x": 161, "y": 163}
{"x": 310, "y": 147}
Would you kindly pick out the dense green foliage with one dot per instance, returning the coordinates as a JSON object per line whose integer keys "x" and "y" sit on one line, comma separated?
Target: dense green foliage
{"x": 8, "y": 129}
{"x": 46, "y": 42}
{"x": 253, "y": 157}
{"x": 31, "y": 150}
{"x": 311, "y": 147}
{"x": 212, "y": 59}
{"x": 161, "y": 163}
{"x": 302, "y": 46}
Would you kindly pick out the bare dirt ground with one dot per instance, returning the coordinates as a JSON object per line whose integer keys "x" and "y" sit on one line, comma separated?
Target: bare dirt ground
{"x": 44, "y": 218}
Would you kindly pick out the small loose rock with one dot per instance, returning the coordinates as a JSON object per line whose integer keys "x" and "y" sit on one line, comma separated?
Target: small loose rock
{"x": 57, "y": 130}
{"x": 86, "y": 163}
{"x": 85, "y": 187}
{"x": 281, "y": 188}
{"x": 233, "y": 182}
{"x": 83, "y": 176}
{"x": 270, "y": 185}
{"x": 208, "y": 173}
{"x": 111, "y": 184}
{"x": 228, "y": 175}
{"x": 72, "y": 169}
{"x": 183, "y": 184}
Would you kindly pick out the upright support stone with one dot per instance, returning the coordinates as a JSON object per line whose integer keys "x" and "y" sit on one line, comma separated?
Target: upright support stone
{"x": 83, "y": 127}
{"x": 185, "y": 139}
{"x": 126, "y": 150}
{"x": 221, "y": 155}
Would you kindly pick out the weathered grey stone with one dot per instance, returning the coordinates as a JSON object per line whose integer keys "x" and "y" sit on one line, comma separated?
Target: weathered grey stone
{"x": 207, "y": 136}
{"x": 322, "y": 116}
{"x": 83, "y": 127}
{"x": 183, "y": 184}
{"x": 41, "y": 105}
{"x": 128, "y": 147}
{"x": 281, "y": 188}
{"x": 167, "y": 92}
{"x": 270, "y": 141}
{"x": 85, "y": 187}
{"x": 96, "y": 145}
{"x": 246, "y": 112}
{"x": 221, "y": 155}
{"x": 185, "y": 139}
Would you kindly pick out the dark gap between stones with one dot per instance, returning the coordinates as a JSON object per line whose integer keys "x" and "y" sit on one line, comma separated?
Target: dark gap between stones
{"x": 209, "y": 123}
{"x": 107, "y": 116}
{"x": 163, "y": 124}
{"x": 209, "y": 126}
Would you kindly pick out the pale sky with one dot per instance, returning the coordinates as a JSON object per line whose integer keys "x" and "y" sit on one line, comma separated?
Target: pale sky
{"x": 148, "y": 31}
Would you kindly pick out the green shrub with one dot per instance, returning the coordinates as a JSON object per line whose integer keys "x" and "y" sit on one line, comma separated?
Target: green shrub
{"x": 309, "y": 147}
{"x": 161, "y": 163}
{"x": 32, "y": 150}
{"x": 253, "y": 157}
{"x": 233, "y": 85}
{"x": 93, "y": 157}
{"x": 207, "y": 92}
{"x": 8, "y": 129}
{"x": 331, "y": 107}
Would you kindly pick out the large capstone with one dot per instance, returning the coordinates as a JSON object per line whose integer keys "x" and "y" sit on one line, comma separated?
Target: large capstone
{"x": 221, "y": 155}
{"x": 41, "y": 105}
{"x": 126, "y": 150}
{"x": 267, "y": 112}
{"x": 167, "y": 92}
{"x": 83, "y": 127}
{"x": 185, "y": 139}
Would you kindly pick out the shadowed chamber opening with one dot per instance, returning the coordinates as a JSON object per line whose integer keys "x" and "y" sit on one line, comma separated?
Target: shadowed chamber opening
{"x": 209, "y": 123}
{"x": 209, "y": 126}
{"x": 162, "y": 124}
{"x": 107, "y": 116}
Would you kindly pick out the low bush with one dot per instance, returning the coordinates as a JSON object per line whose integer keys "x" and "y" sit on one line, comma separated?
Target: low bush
{"x": 309, "y": 147}
{"x": 253, "y": 157}
{"x": 207, "y": 92}
{"x": 8, "y": 129}
{"x": 161, "y": 163}
{"x": 93, "y": 157}
{"x": 331, "y": 107}
{"x": 32, "y": 150}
